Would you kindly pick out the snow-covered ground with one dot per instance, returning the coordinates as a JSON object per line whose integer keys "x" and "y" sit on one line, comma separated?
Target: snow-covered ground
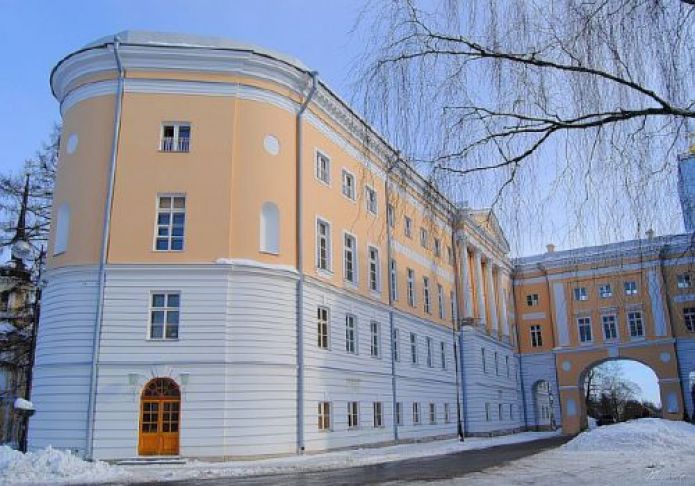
{"x": 639, "y": 452}
{"x": 56, "y": 467}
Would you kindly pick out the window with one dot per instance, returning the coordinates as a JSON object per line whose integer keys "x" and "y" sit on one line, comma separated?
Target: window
{"x": 176, "y": 137}
{"x": 442, "y": 353}
{"x": 171, "y": 217}
{"x": 416, "y": 413}
{"x": 429, "y": 352}
{"x": 62, "y": 234}
{"x": 634, "y": 320}
{"x": 440, "y": 301}
{"x": 374, "y": 273}
{"x": 580, "y": 293}
{"x": 426, "y": 294}
{"x": 447, "y": 414}
{"x": 423, "y": 238}
{"x": 433, "y": 413}
{"x": 437, "y": 247}
{"x": 396, "y": 344}
{"x": 371, "y": 200}
{"x": 499, "y": 411}
{"x": 483, "y": 360}
{"x": 323, "y": 167}
{"x": 350, "y": 258}
{"x": 497, "y": 364}
{"x": 452, "y": 302}
{"x": 536, "y": 336}
{"x": 270, "y": 228}
{"x": 348, "y": 185}
{"x": 353, "y": 412}
{"x": 689, "y": 318}
{"x": 378, "y": 414}
{"x": 413, "y": 348}
{"x": 511, "y": 411}
{"x": 610, "y": 329}
{"x": 390, "y": 215}
{"x": 350, "y": 334}
{"x": 449, "y": 255}
{"x": 324, "y": 415}
{"x": 506, "y": 364}
{"x": 605, "y": 291}
{"x": 411, "y": 287}
{"x": 393, "y": 275}
{"x": 322, "y": 320}
{"x": 630, "y": 288}
{"x": 532, "y": 300}
{"x": 164, "y": 316}
{"x": 375, "y": 329}
{"x": 408, "y": 227}
{"x": 323, "y": 245}
{"x": 584, "y": 324}
{"x": 399, "y": 413}
{"x": 487, "y": 412}
{"x": 684, "y": 281}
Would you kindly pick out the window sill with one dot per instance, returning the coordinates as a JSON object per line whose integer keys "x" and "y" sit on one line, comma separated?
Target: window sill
{"x": 269, "y": 252}
{"x": 324, "y": 273}
{"x": 161, "y": 151}
{"x": 162, "y": 340}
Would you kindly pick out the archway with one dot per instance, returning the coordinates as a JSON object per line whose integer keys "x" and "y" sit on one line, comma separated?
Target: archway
{"x": 160, "y": 416}
{"x": 543, "y": 406}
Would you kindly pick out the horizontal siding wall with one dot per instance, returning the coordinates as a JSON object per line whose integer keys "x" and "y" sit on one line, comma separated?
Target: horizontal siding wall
{"x": 63, "y": 359}
{"x": 534, "y": 368}
{"x": 685, "y": 349}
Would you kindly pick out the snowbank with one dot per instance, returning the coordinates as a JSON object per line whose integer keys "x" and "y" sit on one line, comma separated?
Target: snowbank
{"x": 664, "y": 435}
{"x": 52, "y": 466}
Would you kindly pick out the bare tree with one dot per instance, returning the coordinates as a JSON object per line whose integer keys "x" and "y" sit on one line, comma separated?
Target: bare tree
{"x": 572, "y": 105}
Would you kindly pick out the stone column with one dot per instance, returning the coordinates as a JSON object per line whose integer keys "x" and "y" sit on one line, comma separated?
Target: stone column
{"x": 504, "y": 312}
{"x": 479, "y": 284}
{"x": 466, "y": 280}
{"x": 491, "y": 300}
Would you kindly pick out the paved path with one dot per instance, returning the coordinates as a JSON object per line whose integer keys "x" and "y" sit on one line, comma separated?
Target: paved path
{"x": 422, "y": 469}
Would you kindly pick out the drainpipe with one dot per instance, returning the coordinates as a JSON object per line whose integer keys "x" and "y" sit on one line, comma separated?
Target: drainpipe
{"x": 389, "y": 256}
{"x": 458, "y": 344}
{"x": 104, "y": 252}
{"x": 300, "y": 269}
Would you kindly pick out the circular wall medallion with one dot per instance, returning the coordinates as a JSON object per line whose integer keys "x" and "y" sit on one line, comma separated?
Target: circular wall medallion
{"x": 72, "y": 143}
{"x": 665, "y": 357}
{"x": 271, "y": 145}
{"x": 566, "y": 365}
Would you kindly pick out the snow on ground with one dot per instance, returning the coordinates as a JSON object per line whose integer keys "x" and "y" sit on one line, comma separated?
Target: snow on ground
{"x": 56, "y": 467}
{"x": 639, "y": 452}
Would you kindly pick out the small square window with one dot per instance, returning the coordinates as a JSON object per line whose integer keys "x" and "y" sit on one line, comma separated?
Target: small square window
{"x": 684, "y": 281}
{"x": 175, "y": 137}
{"x": 631, "y": 288}
{"x": 532, "y": 300}
{"x": 605, "y": 291}
{"x": 580, "y": 293}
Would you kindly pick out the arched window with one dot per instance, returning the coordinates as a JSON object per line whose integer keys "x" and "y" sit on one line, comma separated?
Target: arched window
{"x": 270, "y": 228}
{"x": 62, "y": 228}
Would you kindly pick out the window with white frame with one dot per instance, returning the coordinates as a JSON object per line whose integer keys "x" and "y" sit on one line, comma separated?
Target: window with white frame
{"x": 322, "y": 326}
{"x": 532, "y": 300}
{"x": 374, "y": 270}
{"x": 171, "y": 221}
{"x": 390, "y": 215}
{"x": 511, "y": 411}
{"x": 630, "y": 287}
{"x": 323, "y": 167}
{"x": 689, "y": 318}
{"x": 348, "y": 185}
{"x": 62, "y": 233}
{"x": 536, "y": 336}
{"x": 449, "y": 255}
{"x": 399, "y": 413}
{"x": 413, "y": 348}
{"x": 442, "y": 354}
{"x": 483, "y": 359}
{"x": 424, "y": 237}
{"x": 610, "y": 328}
{"x": 396, "y": 343}
{"x": 378, "y": 409}
{"x": 350, "y": 333}
{"x": 684, "y": 281}
{"x": 416, "y": 413}
{"x": 411, "y": 287}
{"x": 426, "y": 295}
{"x": 324, "y": 415}
{"x": 430, "y": 363}
{"x": 580, "y": 293}
{"x": 175, "y": 137}
{"x": 499, "y": 411}
{"x": 452, "y": 302}
{"x": 497, "y": 364}
{"x": 437, "y": 247}
{"x": 393, "y": 284}
{"x": 164, "y": 315}
{"x": 375, "y": 331}
{"x": 350, "y": 258}
{"x": 408, "y": 227}
{"x": 353, "y": 414}
{"x": 605, "y": 291}
{"x": 584, "y": 325}
{"x": 506, "y": 365}
{"x": 371, "y": 199}
{"x": 487, "y": 412}
{"x": 635, "y": 323}
{"x": 440, "y": 301}
{"x": 447, "y": 414}
{"x": 323, "y": 245}
{"x": 270, "y": 228}
{"x": 433, "y": 413}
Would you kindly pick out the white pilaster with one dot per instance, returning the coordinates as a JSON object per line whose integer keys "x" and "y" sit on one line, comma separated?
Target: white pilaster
{"x": 504, "y": 312}
{"x": 491, "y": 300}
{"x": 466, "y": 280}
{"x": 479, "y": 284}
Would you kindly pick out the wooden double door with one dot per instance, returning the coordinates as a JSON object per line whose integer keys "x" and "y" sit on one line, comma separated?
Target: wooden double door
{"x": 160, "y": 417}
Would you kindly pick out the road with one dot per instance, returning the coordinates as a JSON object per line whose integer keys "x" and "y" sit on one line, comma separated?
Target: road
{"x": 422, "y": 469}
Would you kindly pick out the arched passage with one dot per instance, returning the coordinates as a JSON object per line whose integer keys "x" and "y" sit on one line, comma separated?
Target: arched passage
{"x": 160, "y": 416}
{"x": 543, "y": 406}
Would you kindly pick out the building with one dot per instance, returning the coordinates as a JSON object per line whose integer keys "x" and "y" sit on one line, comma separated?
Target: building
{"x": 240, "y": 266}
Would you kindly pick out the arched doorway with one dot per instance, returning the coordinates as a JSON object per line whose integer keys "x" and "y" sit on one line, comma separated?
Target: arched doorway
{"x": 160, "y": 415}
{"x": 543, "y": 406}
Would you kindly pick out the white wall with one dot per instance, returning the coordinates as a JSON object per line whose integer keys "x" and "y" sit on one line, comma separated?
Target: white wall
{"x": 536, "y": 367}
